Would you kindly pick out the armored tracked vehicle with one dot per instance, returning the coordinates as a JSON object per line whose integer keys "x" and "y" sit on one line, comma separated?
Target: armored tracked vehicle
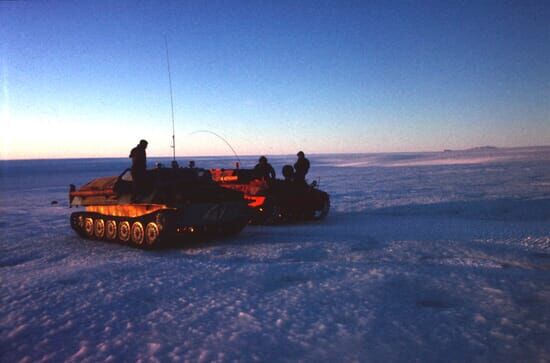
{"x": 275, "y": 201}
{"x": 171, "y": 205}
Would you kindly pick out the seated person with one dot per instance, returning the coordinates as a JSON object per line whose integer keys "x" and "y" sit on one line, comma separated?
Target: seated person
{"x": 264, "y": 170}
{"x": 288, "y": 173}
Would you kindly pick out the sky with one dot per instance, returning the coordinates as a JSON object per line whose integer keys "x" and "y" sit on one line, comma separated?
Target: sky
{"x": 89, "y": 78}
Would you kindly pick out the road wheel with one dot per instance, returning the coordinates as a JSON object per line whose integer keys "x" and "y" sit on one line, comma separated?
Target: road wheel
{"x": 110, "y": 230}
{"x": 151, "y": 234}
{"x": 124, "y": 231}
{"x": 138, "y": 234}
{"x": 89, "y": 227}
{"x": 99, "y": 228}
{"x": 80, "y": 222}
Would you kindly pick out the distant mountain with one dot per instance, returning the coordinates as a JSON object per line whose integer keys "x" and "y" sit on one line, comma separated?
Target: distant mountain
{"x": 478, "y": 148}
{"x": 482, "y": 148}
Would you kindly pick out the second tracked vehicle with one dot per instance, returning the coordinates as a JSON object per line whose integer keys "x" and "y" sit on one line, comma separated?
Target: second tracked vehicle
{"x": 275, "y": 201}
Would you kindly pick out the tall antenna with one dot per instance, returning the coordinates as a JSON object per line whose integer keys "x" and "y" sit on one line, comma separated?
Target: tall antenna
{"x": 171, "y": 100}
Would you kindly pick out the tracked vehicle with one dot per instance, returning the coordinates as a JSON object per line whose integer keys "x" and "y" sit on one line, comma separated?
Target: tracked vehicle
{"x": 275, "y": 201}
{"x": 172, "y": 205}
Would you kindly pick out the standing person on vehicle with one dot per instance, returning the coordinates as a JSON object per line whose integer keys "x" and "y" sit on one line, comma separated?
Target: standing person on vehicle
{"x": 264, "y": 169}
{"x": 139, "y": 166}
{"x": 301, "y": 167}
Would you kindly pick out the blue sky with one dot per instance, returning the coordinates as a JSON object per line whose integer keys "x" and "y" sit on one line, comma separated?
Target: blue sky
{"x": 89, "y": 78}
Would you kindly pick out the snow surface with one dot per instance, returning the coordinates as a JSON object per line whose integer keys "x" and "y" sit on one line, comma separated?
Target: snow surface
{"x": 423, "y": 257}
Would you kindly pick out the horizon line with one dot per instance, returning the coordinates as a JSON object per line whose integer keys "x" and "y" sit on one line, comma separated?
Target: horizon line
{"x": 477, "y": 148}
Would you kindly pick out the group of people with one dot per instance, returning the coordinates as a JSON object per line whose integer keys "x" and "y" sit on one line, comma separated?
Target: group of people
{"x": 262, "y": 170}
{"x": 298, "y": 174}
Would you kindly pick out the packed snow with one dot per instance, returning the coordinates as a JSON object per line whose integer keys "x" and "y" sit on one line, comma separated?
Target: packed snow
{"x": 423, "y": 257}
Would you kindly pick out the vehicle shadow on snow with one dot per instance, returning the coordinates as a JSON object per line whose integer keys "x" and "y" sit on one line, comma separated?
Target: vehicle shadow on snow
{"x": 369, "y": 229}
{"x": 365, "y": 229}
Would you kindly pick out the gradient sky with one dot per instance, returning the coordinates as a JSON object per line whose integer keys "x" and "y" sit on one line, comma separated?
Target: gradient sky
{"x": 89, "y": 78}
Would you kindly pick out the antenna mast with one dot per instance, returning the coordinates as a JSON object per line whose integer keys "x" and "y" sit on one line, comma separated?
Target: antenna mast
{"x": 171, "y": 100}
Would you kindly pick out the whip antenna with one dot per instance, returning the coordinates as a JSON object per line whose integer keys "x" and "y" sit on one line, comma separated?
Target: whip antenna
{"x": 221, "y": 138}
{"x": 171, "y": 100}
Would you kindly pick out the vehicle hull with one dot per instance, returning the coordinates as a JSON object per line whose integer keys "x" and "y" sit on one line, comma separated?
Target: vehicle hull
{"x": 179, "y": 205}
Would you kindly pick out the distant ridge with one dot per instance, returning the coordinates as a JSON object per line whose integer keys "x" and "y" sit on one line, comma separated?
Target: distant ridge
{"x": 477, "y": 148}
{"x": 482, "y": 148}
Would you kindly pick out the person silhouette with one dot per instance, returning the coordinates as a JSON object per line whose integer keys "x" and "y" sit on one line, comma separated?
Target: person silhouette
{"x": 139, "y": 166}
{"x": 301, "y": 167}
{"x": 264, "y": 169}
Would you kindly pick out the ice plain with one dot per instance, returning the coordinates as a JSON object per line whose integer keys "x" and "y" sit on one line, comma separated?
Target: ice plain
{"x": 428, "y": 257}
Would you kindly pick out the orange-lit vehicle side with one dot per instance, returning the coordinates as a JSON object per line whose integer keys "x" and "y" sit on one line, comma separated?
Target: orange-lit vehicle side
{"x": 169, "y": 205}
{"x": 129, "y": 210}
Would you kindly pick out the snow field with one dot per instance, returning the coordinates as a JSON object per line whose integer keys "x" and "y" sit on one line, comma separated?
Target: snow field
{"x": 424, "y": 257}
